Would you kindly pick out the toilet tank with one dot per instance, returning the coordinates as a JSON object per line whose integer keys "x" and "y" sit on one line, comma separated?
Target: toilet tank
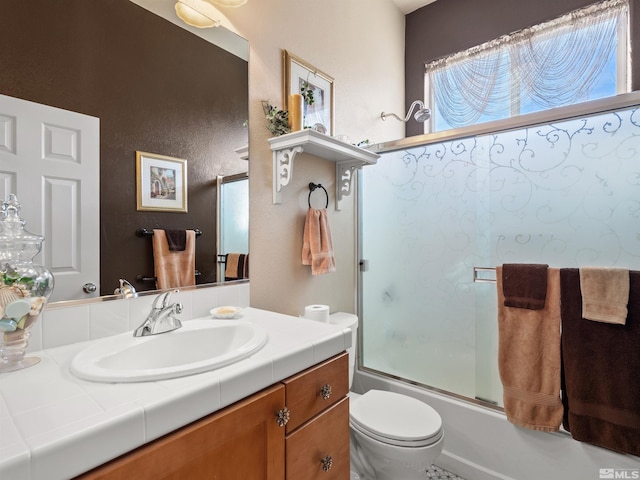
{"x": 348, "y": 320}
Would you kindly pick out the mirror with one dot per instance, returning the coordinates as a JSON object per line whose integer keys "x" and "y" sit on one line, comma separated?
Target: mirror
{"x": 157, "y": 86}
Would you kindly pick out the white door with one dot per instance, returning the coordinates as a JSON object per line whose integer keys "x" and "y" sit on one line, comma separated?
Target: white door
{"x": 50, "y": 158}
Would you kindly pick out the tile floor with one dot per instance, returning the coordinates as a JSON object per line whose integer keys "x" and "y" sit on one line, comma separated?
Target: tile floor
{"x": 437, "y": 473}
{"x": 433, "y": 473}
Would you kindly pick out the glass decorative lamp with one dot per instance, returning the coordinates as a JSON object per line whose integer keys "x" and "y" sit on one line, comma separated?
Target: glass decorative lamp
{"x": 24, "y": 287}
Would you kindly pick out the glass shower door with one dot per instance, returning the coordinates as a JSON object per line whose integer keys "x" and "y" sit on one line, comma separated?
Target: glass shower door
{"x": 233, "y": 218}
{"x": 417, "y": 295}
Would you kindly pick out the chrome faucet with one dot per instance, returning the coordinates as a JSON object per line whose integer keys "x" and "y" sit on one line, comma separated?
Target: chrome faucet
{"x": 126, "y": 290}
{"x": 161, "y": 319}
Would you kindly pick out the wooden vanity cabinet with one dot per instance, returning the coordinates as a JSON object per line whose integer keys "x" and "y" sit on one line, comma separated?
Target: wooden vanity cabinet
{"x": 245, "y": 441}
{"x": 242, "y": 441}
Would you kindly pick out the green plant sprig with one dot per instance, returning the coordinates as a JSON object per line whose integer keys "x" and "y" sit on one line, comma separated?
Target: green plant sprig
{"x": 278, "y": 120}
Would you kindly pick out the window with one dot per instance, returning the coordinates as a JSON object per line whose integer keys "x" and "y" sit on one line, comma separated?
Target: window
{"x": 578, "y": 57}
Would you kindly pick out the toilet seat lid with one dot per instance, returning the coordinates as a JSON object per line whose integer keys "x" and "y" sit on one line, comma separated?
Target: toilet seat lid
{"x": 396, "y": 418}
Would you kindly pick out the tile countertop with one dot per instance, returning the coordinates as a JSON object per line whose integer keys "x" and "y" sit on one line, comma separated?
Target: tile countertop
{"x": 54, "y": 425}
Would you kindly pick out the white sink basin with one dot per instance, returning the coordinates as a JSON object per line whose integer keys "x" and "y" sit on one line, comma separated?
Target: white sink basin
{"x": 199, "y": 346}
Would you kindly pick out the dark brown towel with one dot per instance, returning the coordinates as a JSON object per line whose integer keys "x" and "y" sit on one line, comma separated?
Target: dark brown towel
{"x": 601, "y": 371}
{"x": 529, "y": 359}
{"x": 177, "y": 240}
{"x": 524, "y": 285}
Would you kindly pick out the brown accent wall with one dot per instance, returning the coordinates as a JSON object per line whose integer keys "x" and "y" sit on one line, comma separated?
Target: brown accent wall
{"x": 448, "y": 26}
{"x": 155, "y": 87}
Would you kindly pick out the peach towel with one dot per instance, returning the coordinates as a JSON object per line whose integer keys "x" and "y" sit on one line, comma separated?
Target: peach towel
{"x": 174, "y": 268}
{"x": 237, "y": 266}
{"x": 605, "y": 294}
{"x": 529, "y": 359}
{"x": 317, "y": 245}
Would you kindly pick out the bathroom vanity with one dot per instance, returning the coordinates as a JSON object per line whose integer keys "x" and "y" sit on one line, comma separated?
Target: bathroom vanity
{"x": 247, "y": 439}
{"x": 281, "y": 413}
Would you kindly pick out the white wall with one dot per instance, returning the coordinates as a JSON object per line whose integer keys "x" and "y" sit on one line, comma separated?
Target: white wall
{"x": 360, "y": 43}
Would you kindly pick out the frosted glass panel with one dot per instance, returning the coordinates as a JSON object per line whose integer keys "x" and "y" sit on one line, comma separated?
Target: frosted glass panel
{"x": 566, "y": 194}
{"x": 234, "y": 211}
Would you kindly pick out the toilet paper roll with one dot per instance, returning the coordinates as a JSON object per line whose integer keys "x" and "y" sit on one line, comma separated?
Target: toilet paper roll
{"x": 319, "y": 313}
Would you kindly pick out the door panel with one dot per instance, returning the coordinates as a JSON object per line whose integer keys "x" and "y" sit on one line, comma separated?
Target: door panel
{"x": 50, "y": 158}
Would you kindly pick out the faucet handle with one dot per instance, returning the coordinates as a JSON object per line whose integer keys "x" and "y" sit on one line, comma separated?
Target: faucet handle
{"x": 163, "y": 298}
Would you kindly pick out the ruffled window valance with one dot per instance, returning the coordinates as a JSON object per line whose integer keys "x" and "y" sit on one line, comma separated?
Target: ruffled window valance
{"x": 553, "y": 64}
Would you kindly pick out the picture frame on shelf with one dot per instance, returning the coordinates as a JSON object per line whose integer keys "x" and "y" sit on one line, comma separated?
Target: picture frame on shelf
{"x": 317, "y": 89}
{"x": 161, "y": 183}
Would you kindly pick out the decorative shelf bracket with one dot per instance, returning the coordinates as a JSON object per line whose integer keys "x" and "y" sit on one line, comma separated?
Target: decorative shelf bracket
{"x": 283, "y": 169}
{"x": 348, "y": 158}
{"x": 345, "y": 174}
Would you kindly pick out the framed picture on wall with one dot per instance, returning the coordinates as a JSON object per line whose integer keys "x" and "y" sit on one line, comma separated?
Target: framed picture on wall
{"x": 161, "y": 183}
{"x": 316, "y": 88}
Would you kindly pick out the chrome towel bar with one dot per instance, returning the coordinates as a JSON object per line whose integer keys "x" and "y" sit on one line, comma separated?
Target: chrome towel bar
{"x": 483, "y": 275}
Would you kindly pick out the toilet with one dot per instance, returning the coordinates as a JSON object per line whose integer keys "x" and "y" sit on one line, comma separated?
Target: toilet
{"x": 393, "y": 436}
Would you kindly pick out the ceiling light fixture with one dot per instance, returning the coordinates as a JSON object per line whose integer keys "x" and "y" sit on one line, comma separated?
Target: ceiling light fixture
{"x": 198, "y": 13}
{"x": 422, "y": 114}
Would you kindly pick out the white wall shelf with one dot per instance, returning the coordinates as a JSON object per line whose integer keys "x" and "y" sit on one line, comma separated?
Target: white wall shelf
{"x": 243, "y": 152}
{"x": 347, "y": 158}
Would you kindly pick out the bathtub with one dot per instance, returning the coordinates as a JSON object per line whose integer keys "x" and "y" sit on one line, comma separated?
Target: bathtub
{"x": 482, "y": 445}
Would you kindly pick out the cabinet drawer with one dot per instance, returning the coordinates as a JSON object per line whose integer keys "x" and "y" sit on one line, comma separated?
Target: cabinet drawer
{"x": 326, "y": 436}
{"x": 304, "y": 392}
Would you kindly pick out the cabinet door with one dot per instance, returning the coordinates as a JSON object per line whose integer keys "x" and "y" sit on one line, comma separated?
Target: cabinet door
{"x": 240, "y": 442}
{"x": 323, "y": 442}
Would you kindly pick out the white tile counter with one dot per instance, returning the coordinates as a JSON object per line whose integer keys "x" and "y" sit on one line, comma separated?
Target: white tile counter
{"x": 55, "y": 426}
